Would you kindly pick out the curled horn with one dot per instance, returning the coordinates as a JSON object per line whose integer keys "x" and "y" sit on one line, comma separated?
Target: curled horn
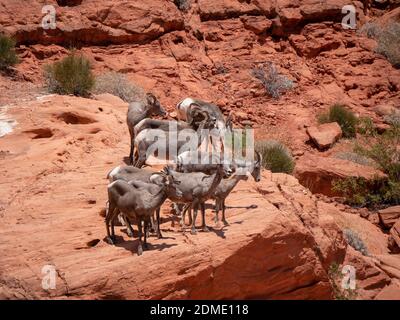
{"x": 259, "y": 157}
{"x": 151, "y": 98}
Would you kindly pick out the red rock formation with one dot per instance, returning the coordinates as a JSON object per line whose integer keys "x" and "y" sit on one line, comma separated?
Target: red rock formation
{"x": 317, "y": 173}
{"x": 325, "y": 135}
{"x": 69, "y": 144}
{"x": 389, "y": 216}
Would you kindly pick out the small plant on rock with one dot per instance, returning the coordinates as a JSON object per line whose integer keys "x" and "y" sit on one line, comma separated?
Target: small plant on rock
{"x": 8, "y": 57}
{"x": 343, "y": 116}
{"x": 276, "y": 157}
{"x": 117, "y": 84}
{"x": 335, "y": 278}
{"x": 183, "y": 5}
{"x": 354, "y": 240}
{"x": 71, "y": 75}
{"x": 274, "y": 83}
{"x": 387, "y": 38}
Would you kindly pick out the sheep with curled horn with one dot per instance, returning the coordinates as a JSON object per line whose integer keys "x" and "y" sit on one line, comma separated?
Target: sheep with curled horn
{"x": 188, "y": 106}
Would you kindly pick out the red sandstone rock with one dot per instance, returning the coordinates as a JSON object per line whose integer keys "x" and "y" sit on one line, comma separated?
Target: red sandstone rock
{"x": 325, "y": 135}
{"x": 389, "y": 216}
{"x": 394, "y": 237}
{"x": 317, "y": 173}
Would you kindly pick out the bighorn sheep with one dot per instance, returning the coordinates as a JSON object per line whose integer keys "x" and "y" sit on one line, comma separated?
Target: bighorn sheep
{"x": 227, "y": 185}
{"x": 169, "y": 143}
{"x": 128, "y": 173}
{"x": 138, "y": 111}
{"x": 166, "y": 125}
{"x": 196, "y": 188}
{"x": 137, "y": 199}
{"x": 188, "y": 106}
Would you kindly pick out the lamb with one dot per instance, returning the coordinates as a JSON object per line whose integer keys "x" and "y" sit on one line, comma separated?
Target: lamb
{"x": 138, "y": 111}
{"x": 137, "y": 199}
{"x": 227, "y": 185}
{"x": 196, "y": 188}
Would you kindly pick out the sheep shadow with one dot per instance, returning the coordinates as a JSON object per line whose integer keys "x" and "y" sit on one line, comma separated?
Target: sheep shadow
{"x": 132, "y": 244}
{"x": 127, "y": 161}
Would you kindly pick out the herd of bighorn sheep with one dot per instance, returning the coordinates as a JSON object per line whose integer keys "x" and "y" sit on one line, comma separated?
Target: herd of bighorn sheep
{"x": 195, "y": 175}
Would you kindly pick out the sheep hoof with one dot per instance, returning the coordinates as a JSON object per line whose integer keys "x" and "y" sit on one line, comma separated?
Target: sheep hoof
{"x": 130, "y": 233}
{"x": 111, "y": 240}
{"x": 205, "y": 229}
{"x": 139, "y": 251}
{"x": 159, "y": 235}
{"x": 193, "y": 231}
{"x": 225, "y": 223}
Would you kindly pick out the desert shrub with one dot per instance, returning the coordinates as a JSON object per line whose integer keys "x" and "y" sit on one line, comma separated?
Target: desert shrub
{"x": 393, "y": 119}
{"x": 384, "y": 152}
{"x": 274, "y": 83}
{"x": 117, "y": 84}
{"x": 8, "y": 57}
{"x": 182, "y": 4}
{"x": 387, "y": 39}
{"x": 370, "y": 29}
{"x": 276, "y": 157}
{"x": 354, "y": 240}
{"x": 366, "y": 127}
{"x": 355, "y": 157}
{"x": 343, "y": 116}
{"x": 389, "y": 44}
{"x": 335, "y": 278}
{"x": 359, "y": 192}
{"x": 71, "y": 75}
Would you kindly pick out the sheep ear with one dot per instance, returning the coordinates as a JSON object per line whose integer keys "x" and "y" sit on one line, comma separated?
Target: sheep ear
{"x": 151, "y": 99}
{"x": 229, "y": 120}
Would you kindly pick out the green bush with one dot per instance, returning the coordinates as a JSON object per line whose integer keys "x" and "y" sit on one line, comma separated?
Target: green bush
{"x": 117, "y": 84}
{"x": 343, "y": 116}
{"x": 384, "y": 152}
{"x": 71, "y": 75}
{"x": 276, "y": 157}
{"x": 8, "y": 57}
{"x": 366, "y": 126}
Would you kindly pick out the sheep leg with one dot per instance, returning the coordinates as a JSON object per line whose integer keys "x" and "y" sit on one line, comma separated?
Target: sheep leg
{"x": 203, "y": 217}
{"x": 217, "y": 208}
{"x": 140, "y": 233}
{"x": 223, "y": 213}
{"x": 190, "y": 214}
{"x": 111, "y": 214}
{"x": 146, "y": 231}
{"x": 195, "y": 207}
{"x": 107, "y": 221}
{"x": 184, "y": 210}
{"x": 127, "y": 223}
{"x": 159, "y": 235}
